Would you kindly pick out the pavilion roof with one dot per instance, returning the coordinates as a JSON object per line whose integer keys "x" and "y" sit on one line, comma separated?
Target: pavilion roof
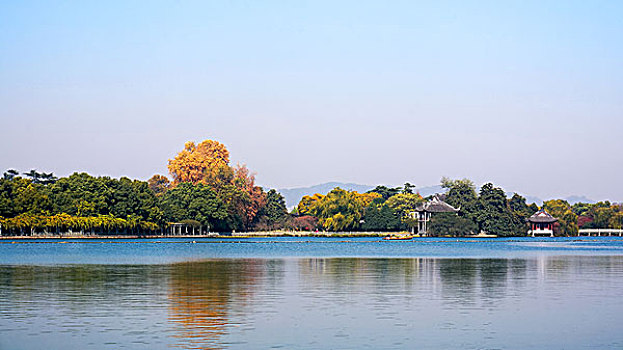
{"x": 541, "y": 216}
{"x": 436, "y": 205}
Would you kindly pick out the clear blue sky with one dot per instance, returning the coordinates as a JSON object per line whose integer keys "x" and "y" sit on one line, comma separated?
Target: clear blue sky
{"x": 526, "y": 94}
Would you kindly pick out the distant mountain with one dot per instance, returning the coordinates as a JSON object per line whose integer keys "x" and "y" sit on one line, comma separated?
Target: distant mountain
{"x": 529, "y": 199}
{"x": 430, "y": 190}
{"x": 579, "y": 199}
{"x": 293, "y": 195}
{"x": 571, "y": 199}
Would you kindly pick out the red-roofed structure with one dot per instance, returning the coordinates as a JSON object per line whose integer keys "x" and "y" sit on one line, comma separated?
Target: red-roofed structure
{"x": 541, "y": 224}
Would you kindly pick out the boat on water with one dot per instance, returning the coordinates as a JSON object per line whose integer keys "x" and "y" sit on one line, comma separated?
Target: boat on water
{"x": 398, "y": 238}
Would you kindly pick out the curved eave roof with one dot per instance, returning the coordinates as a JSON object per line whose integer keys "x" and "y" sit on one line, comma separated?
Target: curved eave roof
{"x": 541, "y": 216}
{"x": 531, "y": 219}
{"x": 441, "y": 208}
{"x": 436, "y": 205}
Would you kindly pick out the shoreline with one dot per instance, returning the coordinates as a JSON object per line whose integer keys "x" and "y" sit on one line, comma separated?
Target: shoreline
{"x": 238, "y": 235}
{"x": 228, "y": 235}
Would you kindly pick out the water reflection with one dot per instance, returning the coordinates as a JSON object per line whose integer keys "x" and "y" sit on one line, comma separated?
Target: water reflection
{"x": 201, "y": 294}
{"x": 314, "y": 303}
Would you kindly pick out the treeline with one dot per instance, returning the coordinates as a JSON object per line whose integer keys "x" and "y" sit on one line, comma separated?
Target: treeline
{"x": 487, "y": 210}
{"x": 86, "y": 204}
{"x": 586, "y": 216}
{"x": 391, "y": 209}
{"x": 79, "y": 202}
{"x": 381, "y": 209}
{"x": 207, "y": 194}
{"x": 490, "y": 211}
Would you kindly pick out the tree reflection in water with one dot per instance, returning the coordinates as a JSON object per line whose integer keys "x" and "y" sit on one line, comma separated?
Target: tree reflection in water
{"x": 200, "y": 297}
{"x": 321, "y": 302}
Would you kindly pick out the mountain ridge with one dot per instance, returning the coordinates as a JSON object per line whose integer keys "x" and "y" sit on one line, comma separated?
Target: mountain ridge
{"x": 293, "y": 195}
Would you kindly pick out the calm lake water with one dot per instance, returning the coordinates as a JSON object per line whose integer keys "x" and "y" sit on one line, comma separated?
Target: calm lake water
{"x": 312, "y": 293}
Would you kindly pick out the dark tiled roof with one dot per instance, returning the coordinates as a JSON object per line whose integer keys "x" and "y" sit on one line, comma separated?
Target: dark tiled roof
{"x": 436, "y": 205}
{"x": 541, "y": 216}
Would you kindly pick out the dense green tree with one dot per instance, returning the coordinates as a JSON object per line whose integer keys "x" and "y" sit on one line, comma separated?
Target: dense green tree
{"x": 81, "y": 196}
{"x": 494, "y": 215}
{"x": 381, "y": 218}
{"x": 617, "y": 219}
{"x": 68, "y": 192}
{"x": 533, "y": 208}
{"x": 408, "y": 188}
{"x": 450, "y": 224}
{"x": 602, "y": 216}
{"x": 567, "y": 219}
{"x": 521, "y": 211}
{"x": 274, "y": 212}
{"x": 598, "y": 215}
{"x": 234, "y": 198}
{"x": 582, "y": 209}
{"x": 517, "y": 204}
{"x": 10, "y": 174}
{"x": 403, "y": 204}
{"x": 462, "y": 194}
{"x": 385, "y": 191}
{"x": 37, "y": 177}
{"x": 490, "y": 210}
{"x": 10, "y": 190}
{"x": 195, "y": 202}
{"x": 159, "y": 184}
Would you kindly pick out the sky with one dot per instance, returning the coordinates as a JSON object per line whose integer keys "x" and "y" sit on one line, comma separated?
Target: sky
{"x": 525, "y": 94}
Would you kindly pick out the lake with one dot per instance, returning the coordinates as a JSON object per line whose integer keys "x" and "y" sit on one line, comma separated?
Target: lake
{"x": 312, "y": 293}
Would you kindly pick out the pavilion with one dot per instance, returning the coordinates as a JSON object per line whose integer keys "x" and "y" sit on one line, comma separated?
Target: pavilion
{"x": 424, "y": 211}
{"x": 186, "y": 228}
{"x": 541, "y": 224}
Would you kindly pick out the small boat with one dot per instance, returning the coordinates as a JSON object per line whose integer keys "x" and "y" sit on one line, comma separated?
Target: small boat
{"x": 398, "y": 238}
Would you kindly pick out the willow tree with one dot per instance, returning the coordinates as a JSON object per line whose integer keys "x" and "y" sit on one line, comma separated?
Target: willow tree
{"x": 339, "y": 210}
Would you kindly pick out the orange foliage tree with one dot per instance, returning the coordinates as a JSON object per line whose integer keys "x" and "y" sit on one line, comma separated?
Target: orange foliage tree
{"x": 253, "y": 198}
{"x": 207, "y": 162}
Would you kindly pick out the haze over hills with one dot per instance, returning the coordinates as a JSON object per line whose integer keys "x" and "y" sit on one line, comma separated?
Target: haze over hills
{"x": 293, "y": 195}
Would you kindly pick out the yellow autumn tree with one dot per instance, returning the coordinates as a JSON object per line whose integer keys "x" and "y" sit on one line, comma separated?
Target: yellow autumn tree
{"x": 207, "y": 162}
{"x": 563, "y": 211}
{"x": 308, "y": 204}
{"x": 339, "y": 210}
